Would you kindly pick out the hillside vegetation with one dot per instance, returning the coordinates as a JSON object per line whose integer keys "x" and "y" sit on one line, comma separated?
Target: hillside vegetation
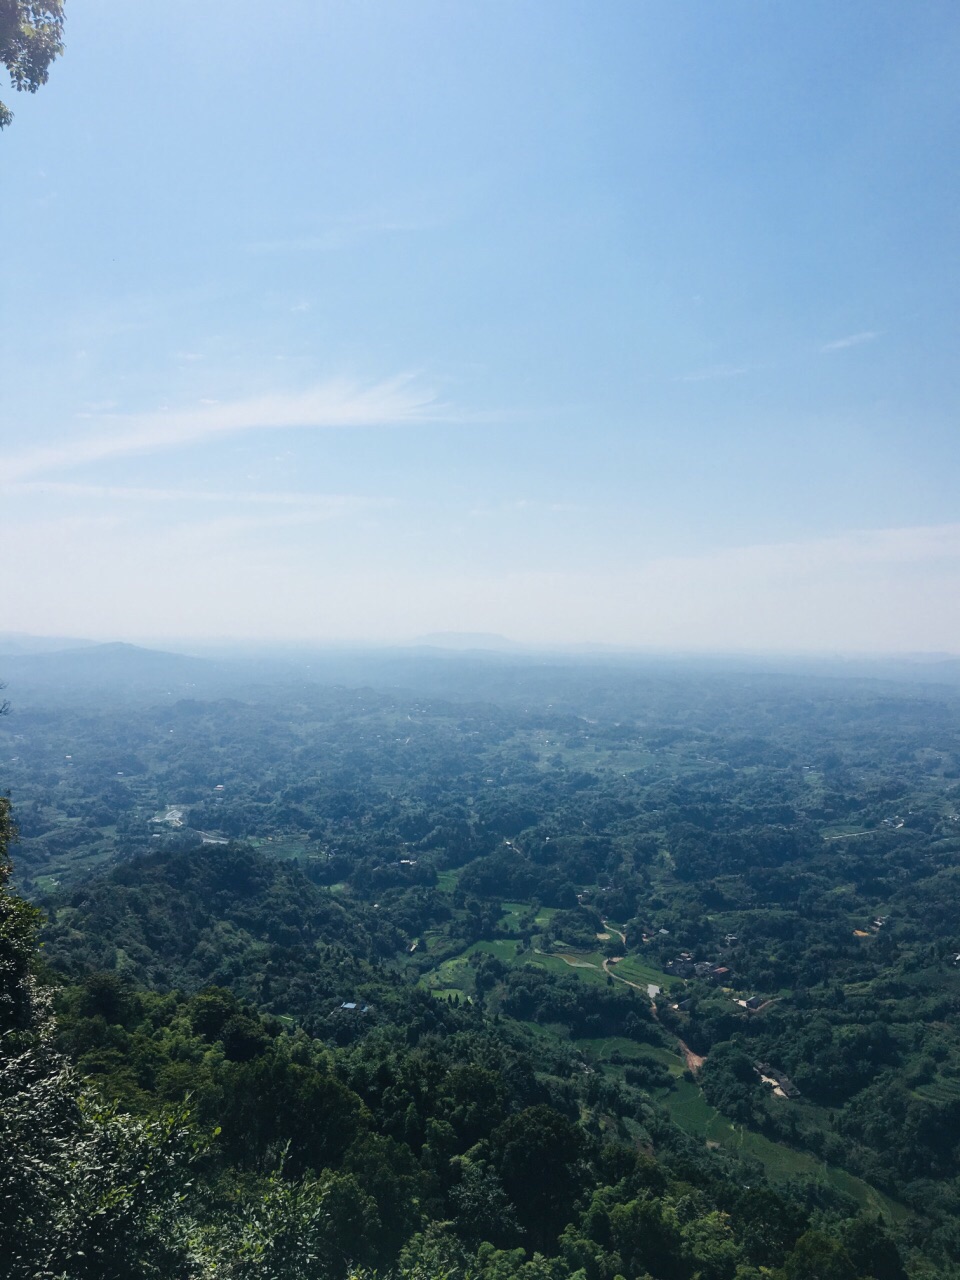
{"x": 617, "y": 974}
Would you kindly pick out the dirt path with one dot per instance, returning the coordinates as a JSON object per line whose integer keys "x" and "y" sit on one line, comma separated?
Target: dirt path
{"x": 574, "y": 964}
{"x": 607, "y": 970}
{"x": 637, "y": 986}
{"x": 693, "y": 1060}
{"x": 620, "y": 934}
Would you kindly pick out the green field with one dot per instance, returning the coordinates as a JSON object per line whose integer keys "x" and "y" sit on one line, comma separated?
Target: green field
{"x": 691, "y": 1111}
{"x": 454, "y": 974}
{"x": 585, "y": 965}
{"x": 600, "y": 1051}
{"x": 635, "y": 969}
{"x": 513, "y": 914}
{"x": 939, "y": 1090}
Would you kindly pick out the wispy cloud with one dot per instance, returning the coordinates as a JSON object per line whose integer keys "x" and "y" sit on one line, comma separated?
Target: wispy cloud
{"x": 333, "y": 404}
{"x": 324, "y": 503}
{"x": 851, "y": 340}
{"x": 426, "y": 208}
{"x": 716, "y": 371}
{"x": 347, "y": 230}
{"x": 339, "y": 236}
{"x": 223, "y": 527}
{"x": 531, "y": 506}
{"x": 855, "y": 548}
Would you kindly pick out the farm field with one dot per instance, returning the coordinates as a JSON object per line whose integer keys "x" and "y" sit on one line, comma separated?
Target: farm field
{"x": 690, "y": 1110}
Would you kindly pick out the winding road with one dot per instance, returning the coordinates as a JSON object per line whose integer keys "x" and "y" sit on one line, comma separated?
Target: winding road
{"x": 693, "y": 1060}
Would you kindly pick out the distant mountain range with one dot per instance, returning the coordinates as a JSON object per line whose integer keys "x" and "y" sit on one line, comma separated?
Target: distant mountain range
{"x": 17, "y": 642}
{"x": 468, "y": 640}
{"x": 38, "y": 670}
{"x": 107, "y": 670}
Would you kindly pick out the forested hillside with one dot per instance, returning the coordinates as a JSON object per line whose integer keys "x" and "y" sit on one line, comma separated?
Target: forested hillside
{"x": 614, "y": 973}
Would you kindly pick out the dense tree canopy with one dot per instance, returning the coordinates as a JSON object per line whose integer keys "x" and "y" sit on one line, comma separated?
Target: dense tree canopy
{"x": 646, "y": 980}
{"x": 30, "y": 39}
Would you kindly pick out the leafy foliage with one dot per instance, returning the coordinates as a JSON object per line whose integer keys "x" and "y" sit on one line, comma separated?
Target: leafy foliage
{"x": 30, "y": 39}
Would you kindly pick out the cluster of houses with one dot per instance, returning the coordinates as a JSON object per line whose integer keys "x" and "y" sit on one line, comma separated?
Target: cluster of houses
{"x": 782, "y": 1084}
{"x": 876, "y": 925}
{"x": 684, "y": 966}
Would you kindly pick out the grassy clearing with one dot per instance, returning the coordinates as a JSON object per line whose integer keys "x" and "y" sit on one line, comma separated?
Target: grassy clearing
{"x": 447, "y": 880}
{"x": 600, "y": 1051}
{"x": 286, "y": 848}
{"x": 504, "y": 949}
{"x": 456, "y": 973}
{"x": 280, "y": 846}
{"x": 452, "y": 975}
{"x": 691, "y": 1111}
{"x": 635, "y": 969}
{"x": 939, "y": 1090}
{"x": 558, "y": 965}
{"x": 513, "y": 914}
{"x": 669, "y": 1057}
{"x": 551, "y": 1031}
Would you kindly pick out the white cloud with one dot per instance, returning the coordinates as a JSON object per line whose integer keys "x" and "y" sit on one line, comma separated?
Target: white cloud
{"x": 331, "y": 503}
{"x": 333, "y": 238}
{"x": 426, "y": 208}
{"x": 851, "y": 340}
{"x": 348, "y": 230}
{"x": 333, "y": 404}
{"x": 220, "y": 530}
{"x": 716, "y": 371}
{"x": 532, "y": 506}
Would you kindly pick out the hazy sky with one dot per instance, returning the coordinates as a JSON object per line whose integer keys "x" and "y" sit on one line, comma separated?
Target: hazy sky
{"x": 628, "y": 321}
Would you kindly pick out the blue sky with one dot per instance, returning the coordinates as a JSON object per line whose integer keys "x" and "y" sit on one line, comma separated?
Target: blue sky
{"x": 630, "y": 323}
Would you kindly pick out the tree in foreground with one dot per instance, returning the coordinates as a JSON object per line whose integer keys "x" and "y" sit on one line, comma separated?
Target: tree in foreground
{"x": 30, "y": 39}
{"x": 90, "y": 1193}
{"x": 84, "y": 1190}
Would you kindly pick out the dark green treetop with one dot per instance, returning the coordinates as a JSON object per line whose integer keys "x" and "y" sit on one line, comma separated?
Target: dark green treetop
{"x": 30, "y": 32}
